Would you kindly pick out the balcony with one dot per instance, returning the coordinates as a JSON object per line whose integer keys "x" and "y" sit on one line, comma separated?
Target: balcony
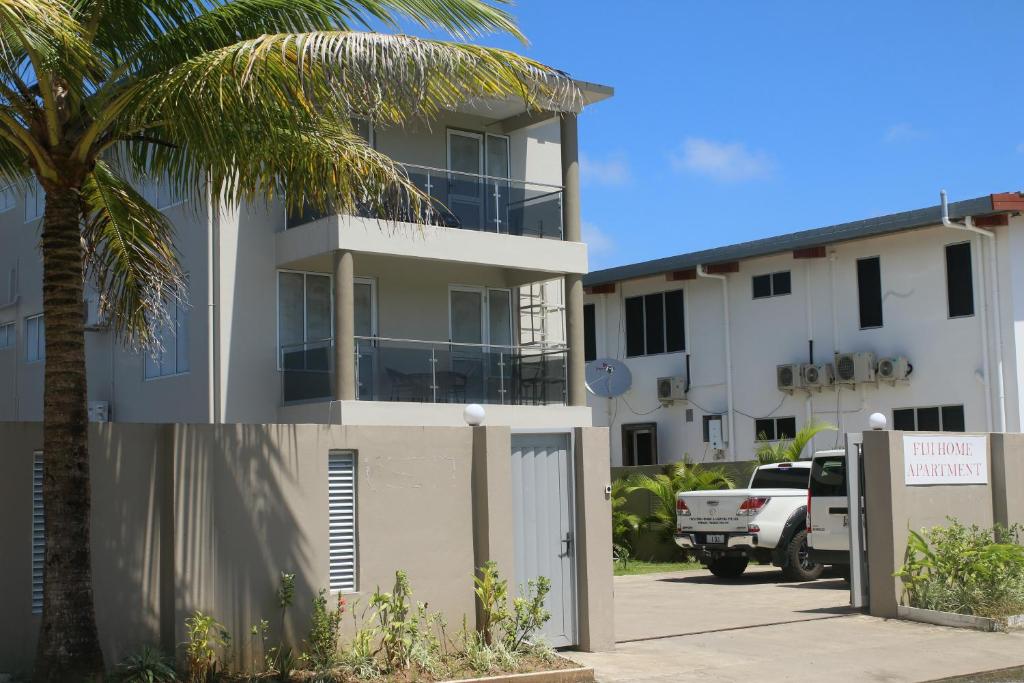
{"x": 477, "y": 202}
{"x": 420, "y": 371}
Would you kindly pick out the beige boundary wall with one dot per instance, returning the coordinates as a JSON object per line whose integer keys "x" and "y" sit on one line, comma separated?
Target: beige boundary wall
{"x": 206, "y": 517}
{"x": 893, "y": 509}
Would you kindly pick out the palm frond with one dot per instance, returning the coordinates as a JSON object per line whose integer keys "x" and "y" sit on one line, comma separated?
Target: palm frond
{"x": 791, "y": 450}
{"x": 129, "y": 255}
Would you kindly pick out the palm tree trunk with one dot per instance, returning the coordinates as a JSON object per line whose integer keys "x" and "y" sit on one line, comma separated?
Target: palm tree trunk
{"x": 68, "y": 640}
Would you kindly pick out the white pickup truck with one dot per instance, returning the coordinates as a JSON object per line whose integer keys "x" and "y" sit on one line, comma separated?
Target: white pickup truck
{"x": 767, "y": 522}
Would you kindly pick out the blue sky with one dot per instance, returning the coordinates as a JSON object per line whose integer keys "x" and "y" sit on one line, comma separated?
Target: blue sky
{"x": 742, "y": 119}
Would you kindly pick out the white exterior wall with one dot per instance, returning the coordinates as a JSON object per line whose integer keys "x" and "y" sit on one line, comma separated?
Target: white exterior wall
{"x": 946, "y": 353}
{"x": 412, "y": 266}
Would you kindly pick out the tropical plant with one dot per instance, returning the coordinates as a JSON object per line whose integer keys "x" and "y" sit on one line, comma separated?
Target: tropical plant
{"x": 625, "y": 524}
{"x": 205, "y": 636}
{"x": 148, "y": 665}
{"x": 528, "y": 614}
{"x": 321, "y": 650}
{"x": 223, "y": 101}
{"x": 790, "y": 450}
{"x": 676, "y": 478}
{"x": 966, "y": 570}
{"x": 492, "y": 597}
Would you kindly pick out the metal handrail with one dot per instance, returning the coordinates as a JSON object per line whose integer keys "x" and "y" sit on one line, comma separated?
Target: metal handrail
{"x": 552, "y": 347}
{"x": 434, "y": 169}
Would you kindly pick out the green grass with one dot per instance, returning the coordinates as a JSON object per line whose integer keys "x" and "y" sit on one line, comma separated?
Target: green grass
{"x": 640, "y": 567}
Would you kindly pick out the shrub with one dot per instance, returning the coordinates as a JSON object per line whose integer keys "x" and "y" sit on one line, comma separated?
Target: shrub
{"x": 321, "y": 651}
{"x": 205, "y": 636}
{"x": 492, "y": 593}
{"x": 148, "y": 665}
{"x": 966, "y": 570}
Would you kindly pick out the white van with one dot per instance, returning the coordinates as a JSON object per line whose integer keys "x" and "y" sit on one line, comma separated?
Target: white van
{"x": 828, "y": 511}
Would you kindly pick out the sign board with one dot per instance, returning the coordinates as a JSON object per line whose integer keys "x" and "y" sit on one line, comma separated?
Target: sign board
{"x": 930, "y": 459}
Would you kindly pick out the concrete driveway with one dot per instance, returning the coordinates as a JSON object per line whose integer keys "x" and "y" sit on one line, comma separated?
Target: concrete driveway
{"x": 688, "y": 627}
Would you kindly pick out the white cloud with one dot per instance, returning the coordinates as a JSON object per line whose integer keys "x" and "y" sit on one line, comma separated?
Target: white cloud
{"x": 1020, "y": 148}
{"x": 611, "y": 172}
{"x": 598, "y": 241}
{"x": 726, "y": 162}
{"x": 902, "y": 132}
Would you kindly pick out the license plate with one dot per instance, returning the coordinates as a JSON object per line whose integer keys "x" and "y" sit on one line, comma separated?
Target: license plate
{"x": 716, "y": 538}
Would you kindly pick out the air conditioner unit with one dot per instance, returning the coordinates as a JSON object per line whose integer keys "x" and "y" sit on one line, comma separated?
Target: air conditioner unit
{"x": 894, "y": 369}
{"x": 671, "y": 389}
{"x": 817, "y": 375}
{"x": 788, "y": 377}
{"x": 99, "y": 411}
{"x": 855, "y": 368}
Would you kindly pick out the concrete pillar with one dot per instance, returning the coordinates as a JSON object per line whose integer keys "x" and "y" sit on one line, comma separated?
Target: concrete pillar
{"x": 344, "y": 327}
{"x": 594, "y": 540}
{"x": 491, "y": 486}
{"x": 571, "y": 225}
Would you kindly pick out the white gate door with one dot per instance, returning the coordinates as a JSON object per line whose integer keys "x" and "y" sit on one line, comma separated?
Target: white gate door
{"x": 542, "y": 495}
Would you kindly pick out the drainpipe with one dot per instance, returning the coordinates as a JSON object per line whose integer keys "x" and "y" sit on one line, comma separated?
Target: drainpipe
{"x": 212, "y": 314}
{"x": 835, "y": 332}
{"x": 809, "y": 408}
{"x": 993, "y": 274}
{"x": 702, "y": 272}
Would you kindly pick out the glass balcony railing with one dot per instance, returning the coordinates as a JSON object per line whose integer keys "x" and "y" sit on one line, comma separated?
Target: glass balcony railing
{"x": 430, "y": 372}
{"x": 477, "y": 202}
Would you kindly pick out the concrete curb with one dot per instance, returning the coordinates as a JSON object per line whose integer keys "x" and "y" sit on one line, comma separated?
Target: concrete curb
{"x": 580, "y": 675}
{"x": 927, "y": 616}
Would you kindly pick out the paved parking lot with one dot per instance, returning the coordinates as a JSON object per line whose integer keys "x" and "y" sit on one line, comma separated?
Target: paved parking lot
{"x": 689, "y": 627}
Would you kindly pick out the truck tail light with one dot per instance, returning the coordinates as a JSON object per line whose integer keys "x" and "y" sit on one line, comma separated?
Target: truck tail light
{"x": 681, "y": 509}
{"x": 751, "y": 506}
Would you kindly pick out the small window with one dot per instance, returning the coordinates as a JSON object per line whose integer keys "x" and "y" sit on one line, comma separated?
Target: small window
{"x": 7, "y": 332}
{"x": 929, "y": 419}
{"x": 341, "y": 520}
{"x": 172, "y": 356}
{"x": 655, "y": 323}
{"x": 8, "y": 198}
{"x": 869, "y": 291}
{"x": 38, "y": 533}
{"x": 589, "y": 333}
{"x": 640, "y": 444}
{"x": 35, "y": 339}
{"x": 959, "y": 280}
{"x": 828, "y": 477}
{"x": 772, "y": 284}
{"x": 775, "y": 428}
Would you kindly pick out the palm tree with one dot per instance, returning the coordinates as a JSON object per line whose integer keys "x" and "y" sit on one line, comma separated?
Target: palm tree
{"x": 676, "y": 478}
{"x": 624, "y": 523}
{"x": 789, "y": 450}
{"x": 230, "y": 101}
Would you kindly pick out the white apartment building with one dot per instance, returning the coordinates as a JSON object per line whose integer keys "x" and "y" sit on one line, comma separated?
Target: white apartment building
{"x": 427, "y": 318}
{"x": 751, "y": 332}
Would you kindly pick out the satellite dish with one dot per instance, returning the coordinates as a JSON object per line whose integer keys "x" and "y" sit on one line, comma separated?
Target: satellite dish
{"x": 608, "y": 377}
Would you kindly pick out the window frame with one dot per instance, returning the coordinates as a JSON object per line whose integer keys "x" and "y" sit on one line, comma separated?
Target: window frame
{"x": 305, "y": 326}
{"x": 38, "y": 321}
{"x": 940, "y": 408}
{"x": 664, "y": 322}
{"x": 881, "y": 294}
{"x": 970, "y": 262}
{"x": 775, "y": 429}
{"x": 771, "y": 284}
{"x": 8, "y": 197}
{"x": 627, "y": 430}
{"x": 179, "y": 321}
{"x": 8, "y": 335}
{"x": 35, "y": 190}
{"x": 353, "y": 457}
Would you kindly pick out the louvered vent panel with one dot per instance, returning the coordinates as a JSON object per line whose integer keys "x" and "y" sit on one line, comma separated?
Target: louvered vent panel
{"x": 341, "y": 500}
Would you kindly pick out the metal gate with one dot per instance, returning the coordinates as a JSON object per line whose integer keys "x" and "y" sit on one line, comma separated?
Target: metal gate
{"x": 859, "y": 596}
{"x": 542, "y": 494}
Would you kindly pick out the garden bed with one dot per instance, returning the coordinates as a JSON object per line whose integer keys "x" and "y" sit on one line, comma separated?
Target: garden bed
{"x": 529, "y": 669}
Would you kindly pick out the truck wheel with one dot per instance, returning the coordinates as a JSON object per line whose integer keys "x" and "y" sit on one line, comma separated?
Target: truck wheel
{"x": 728, "y": 567}
{"x": 799, "y": 566}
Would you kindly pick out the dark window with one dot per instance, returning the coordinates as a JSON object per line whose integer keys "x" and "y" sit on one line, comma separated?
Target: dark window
{"x": 959, "y": 280}
{"x": 589, "y": 333}
{"x": 655, "y": 324}
{"x": 903, "y": 420}
{"x": 764, "y": 429}
{"x": 774, "y": 428}
{"x": 675, "y": 322}
{"x": 762, "y": 286}
{"x": 781, "y": 283}
{"x": 654, "y": 316}
{"x": 953, "y": 419}
{"x": 635, "y": 326}
{"x": 772, "y": 284}
{"x": 929, "y": 419}
{"x": 640, "y": 444}
{"x": 785, "y": 428}
{"x": 781, "y": 478}
{"x": 828, "y": 477}
{"x": 706, "y": 428}
{"x": 869, "y": 290}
